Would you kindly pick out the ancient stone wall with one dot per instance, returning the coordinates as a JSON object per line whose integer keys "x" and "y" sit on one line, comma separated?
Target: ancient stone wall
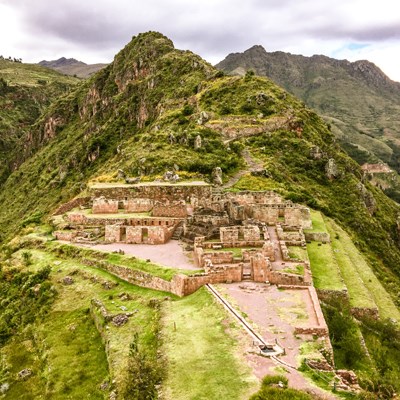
{"x": 298, "y": 216}
{"x": 102, "y": 205}
{"x": 242, "y": 233}
{"x": 112, "y": 233}
{"x": 248, "y": 197}
{"x": 260, "y": 268}
{"x": 150, "y": 221}
{"x": 217, "y": 257}
{"x": 292, "y": 237}
{"x": 65, "y": 235}
{"x": 268, "y": 250}
{"x": 360, "y": 312}
{"x": 77, "y": 218}
{"x": 185, "y": 285}
{"x": 250, "y": 233}
{"x": 318, "y": 236}
{"x": 284, "y": 278}
{"x": 284, "y": 251}
{"x": 160, "y": 192}
{"x": 134, "y": 234}
{"x": 177, "y": 210}
{"x": 229, "y": 234}
{"x": 138, "y": 205}
{"x": 70, "y": 205}
{"x": 236, "y": 211}
{"x": 263, "y": 213}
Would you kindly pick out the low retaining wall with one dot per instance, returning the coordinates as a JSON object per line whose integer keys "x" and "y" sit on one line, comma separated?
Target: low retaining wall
{"x": 360, "y": 312}
{"x": 180, "y": 285}
{"x": 70, "y": 205}
{"x": 318, "y": 236}
{"x": 285, "y": 278}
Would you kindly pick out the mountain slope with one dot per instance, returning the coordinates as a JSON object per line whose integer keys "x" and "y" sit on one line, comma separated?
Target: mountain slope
{"x": 143, "y": 113}
{"x": 72, "y": 67}
{"x": 25, "y": 91}
{"x": 154, "y": 109}
{"x": 357, "y": 98}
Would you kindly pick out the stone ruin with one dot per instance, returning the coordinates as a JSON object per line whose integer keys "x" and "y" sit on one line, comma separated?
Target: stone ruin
{"x": 234, "y": 236}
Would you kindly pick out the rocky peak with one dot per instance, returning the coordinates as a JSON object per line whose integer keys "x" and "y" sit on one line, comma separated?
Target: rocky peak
{"x": 371, "y": 73}
{"x": 61, "y": 62}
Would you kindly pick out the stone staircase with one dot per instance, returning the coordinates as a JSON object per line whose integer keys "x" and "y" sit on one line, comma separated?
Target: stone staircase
{"x": 178, "y": 231}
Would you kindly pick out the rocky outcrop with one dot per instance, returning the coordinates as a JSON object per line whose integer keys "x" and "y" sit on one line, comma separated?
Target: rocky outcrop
{"x": 331, "y": 169}
{"x": 367, "y": 198}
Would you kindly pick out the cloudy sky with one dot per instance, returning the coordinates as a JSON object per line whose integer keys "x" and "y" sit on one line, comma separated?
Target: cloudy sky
{"x": 94, "y": 30}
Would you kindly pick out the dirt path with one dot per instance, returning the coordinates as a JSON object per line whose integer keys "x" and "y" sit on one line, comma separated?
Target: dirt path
{"x": 170, "y": 254}
{"x": 252, "y": 165}
{"x": 274, "y": 315}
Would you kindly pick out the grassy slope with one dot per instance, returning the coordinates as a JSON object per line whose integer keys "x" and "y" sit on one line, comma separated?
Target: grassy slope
{"x": 324, "y": 268}
{"x": 202, "y": 353}
{"x": 25, "y": 91}
{"x": 363, "y": 106}
{"x": 360, "y": 275}
{"x": 67, "y": 336}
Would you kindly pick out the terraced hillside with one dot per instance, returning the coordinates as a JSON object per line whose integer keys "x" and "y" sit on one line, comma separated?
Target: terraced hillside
{"x": 158, "y": 109}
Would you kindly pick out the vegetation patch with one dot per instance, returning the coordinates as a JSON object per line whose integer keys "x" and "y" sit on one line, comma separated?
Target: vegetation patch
{"x": 276, "y": 387}
{"x": 324, "y": 267}
{"x": 364, "y": 288}
{"x": 196, "y": 339}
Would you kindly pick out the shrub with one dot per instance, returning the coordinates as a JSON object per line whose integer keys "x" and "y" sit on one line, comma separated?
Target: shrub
{"x": 144, "y": 373}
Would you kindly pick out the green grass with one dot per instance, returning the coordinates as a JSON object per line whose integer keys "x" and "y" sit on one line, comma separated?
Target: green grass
{"x": 75, "y": 355}
{"x": 298, "y": 270}
{"x": 298, "y": 253}
{"x": 364, "y": 287}
{"x": 237, "y": 251}
{"x": 324, "y": 268}
{"x": 358, "y": 293}
{"x": 318, "y": 224}
{"x": 166, "y": 273}
{"x": 203, "y": 356}
{"x": 69, "y": 338}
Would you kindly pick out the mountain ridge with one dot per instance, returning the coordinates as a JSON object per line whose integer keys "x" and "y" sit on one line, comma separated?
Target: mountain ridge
{"x": 71, "y": 66}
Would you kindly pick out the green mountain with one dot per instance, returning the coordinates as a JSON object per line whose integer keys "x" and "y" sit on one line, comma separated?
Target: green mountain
{"x": 70, "y": 66}
{"x": 156, "y": 109}
{"x": 25, "y": 92}
{"x": 356, "y": 98}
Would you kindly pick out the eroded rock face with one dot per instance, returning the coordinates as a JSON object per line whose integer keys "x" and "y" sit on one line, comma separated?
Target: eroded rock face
{"x": 197, "y": 142}
{"x": 25, "y": 374}
{"x": 316, "y": 153}
{"x": 331, "y": 169}
{"x": 204, "y": 117}
{"x": 50, "y": 127}
{"x": 367, "y": 198}
{"x": 68, "y": 280}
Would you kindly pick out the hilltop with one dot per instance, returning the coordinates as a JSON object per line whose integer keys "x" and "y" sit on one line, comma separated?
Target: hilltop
{"x": 154, "y": 114}
{"x": 70, "y": 66}
{"x": 356, "y": 98}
